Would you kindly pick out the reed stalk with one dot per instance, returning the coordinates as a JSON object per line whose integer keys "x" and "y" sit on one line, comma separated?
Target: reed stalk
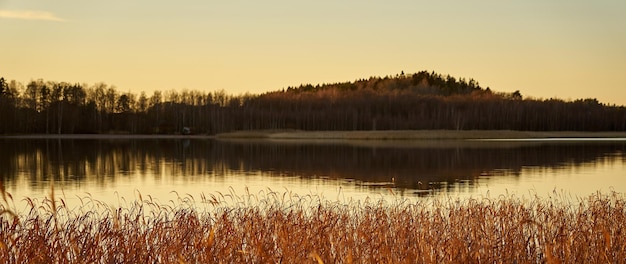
{"x": 287, "y": 228}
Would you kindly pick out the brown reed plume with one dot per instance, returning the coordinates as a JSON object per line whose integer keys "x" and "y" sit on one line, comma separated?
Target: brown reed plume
{"x": 287, "y": 228}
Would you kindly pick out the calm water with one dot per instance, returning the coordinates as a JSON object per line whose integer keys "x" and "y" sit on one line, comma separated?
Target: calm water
{"x": 110, "y": 168}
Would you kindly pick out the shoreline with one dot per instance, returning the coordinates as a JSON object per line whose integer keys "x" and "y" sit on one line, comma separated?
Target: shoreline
{"x": 351, "y": 135}
{"x": 103, "y": 136}
{"x": 418, "y": 135}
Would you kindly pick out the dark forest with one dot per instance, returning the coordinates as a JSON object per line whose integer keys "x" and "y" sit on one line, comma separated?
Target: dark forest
{"x": 424, "y": 100}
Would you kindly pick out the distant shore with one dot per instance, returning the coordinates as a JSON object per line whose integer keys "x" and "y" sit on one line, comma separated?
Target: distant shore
{"x": 416, "y": 134}
{"x": 103, "y": 136}
{"x": 347, "y": 135}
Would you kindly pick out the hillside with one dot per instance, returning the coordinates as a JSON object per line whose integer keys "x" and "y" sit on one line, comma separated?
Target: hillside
{"x": 423, "y": 83}
{"x": 427, "y": 101}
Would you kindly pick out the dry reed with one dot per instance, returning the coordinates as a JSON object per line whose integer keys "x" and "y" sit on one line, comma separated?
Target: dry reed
{"x": 287, "y": 228}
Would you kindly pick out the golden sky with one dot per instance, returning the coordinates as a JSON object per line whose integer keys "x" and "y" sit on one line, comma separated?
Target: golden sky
{"x": 564, "y": 49}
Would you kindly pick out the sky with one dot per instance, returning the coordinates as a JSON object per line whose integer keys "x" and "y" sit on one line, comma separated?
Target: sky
{"x": 543, "y": 48}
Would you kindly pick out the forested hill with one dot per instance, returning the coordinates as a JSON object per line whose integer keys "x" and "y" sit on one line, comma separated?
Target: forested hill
{"x": 406, "y": 101}
{"x": 423, "y": 83}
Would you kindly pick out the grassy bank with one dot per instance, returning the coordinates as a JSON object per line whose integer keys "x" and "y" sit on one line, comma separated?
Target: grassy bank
{"x": 281, "y": 134}
{"x": 292, "y": 229}
{"x": 417, "y": 134}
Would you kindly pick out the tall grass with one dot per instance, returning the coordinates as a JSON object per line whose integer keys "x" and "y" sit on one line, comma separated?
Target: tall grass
{"x": 287, "y": 228}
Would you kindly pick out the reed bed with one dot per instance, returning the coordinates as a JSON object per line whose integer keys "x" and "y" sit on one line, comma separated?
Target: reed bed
{"x": 286, "y": 228}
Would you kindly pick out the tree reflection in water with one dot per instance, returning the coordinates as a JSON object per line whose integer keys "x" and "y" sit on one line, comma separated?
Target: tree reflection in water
{"x": 414, "y": 167}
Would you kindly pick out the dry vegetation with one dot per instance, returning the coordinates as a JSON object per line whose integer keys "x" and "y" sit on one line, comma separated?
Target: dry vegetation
{"x": 416, "y": 134}
{"x": 286, "y": 228}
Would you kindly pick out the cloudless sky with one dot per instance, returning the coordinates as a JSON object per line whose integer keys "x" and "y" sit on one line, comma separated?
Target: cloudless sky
{"x": 565, "y": 49}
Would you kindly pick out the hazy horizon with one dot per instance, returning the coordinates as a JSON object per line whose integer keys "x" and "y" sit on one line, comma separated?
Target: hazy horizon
{"x": 565, "y": 50}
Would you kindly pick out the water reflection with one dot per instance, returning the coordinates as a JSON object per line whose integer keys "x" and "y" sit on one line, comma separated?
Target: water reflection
{"x": 408, "y": 168}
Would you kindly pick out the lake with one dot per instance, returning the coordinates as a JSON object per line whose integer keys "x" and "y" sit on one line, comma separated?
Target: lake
{"x": 116, "y": 171}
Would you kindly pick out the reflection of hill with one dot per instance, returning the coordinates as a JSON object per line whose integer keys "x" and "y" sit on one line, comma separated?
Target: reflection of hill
{"x": 414, "y": 167}
{"x": 409, "y": 167}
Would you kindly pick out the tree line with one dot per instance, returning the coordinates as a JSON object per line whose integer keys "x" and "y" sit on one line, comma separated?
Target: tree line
{"x": 423, "y": 100}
